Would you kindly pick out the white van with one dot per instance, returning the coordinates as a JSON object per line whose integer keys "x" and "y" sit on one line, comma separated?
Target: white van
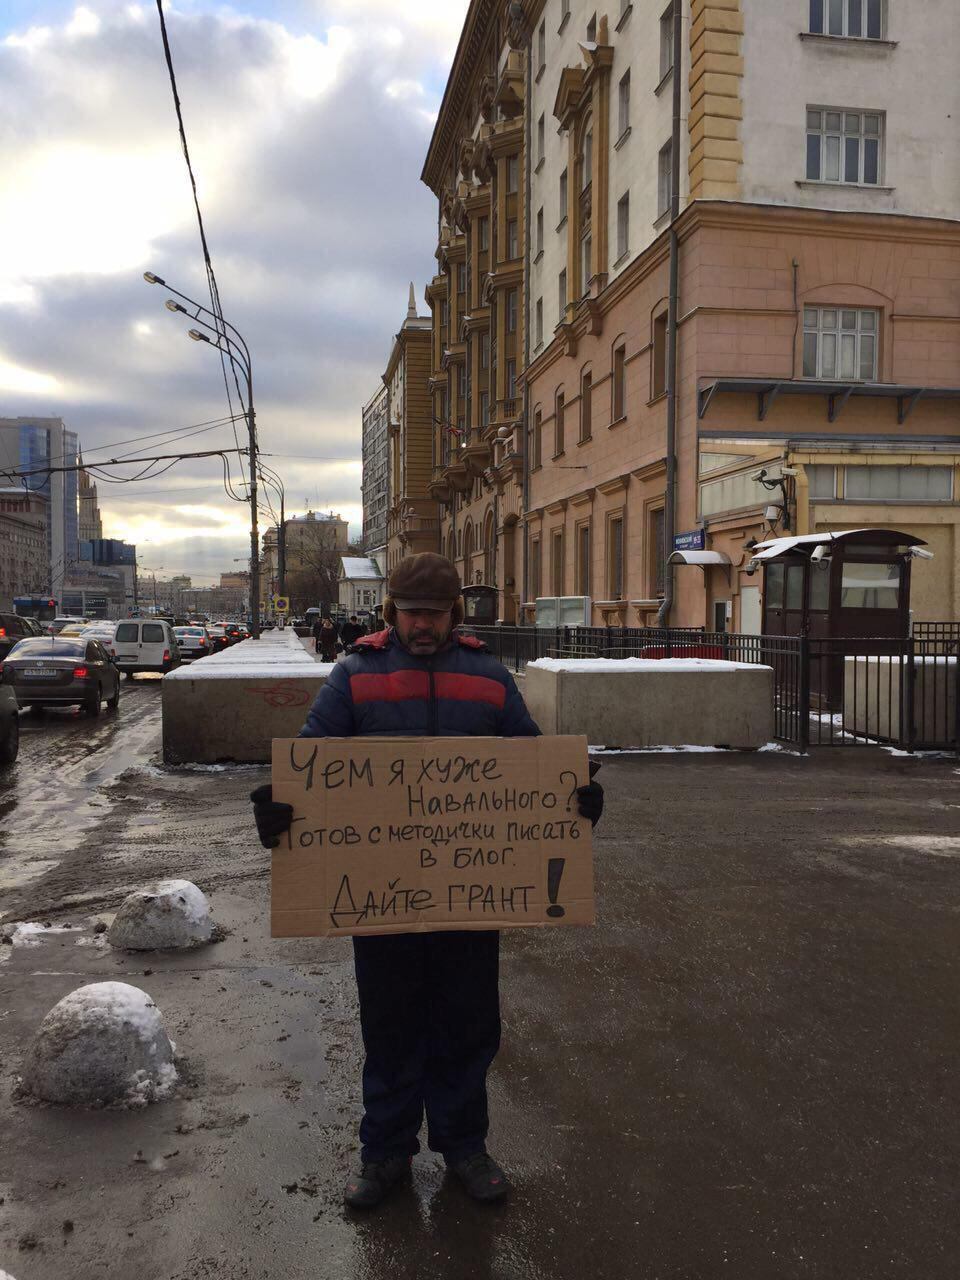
{"x": 143, "y": 644}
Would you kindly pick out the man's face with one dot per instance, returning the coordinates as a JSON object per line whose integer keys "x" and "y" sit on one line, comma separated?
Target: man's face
{"x": 424, "y": 631}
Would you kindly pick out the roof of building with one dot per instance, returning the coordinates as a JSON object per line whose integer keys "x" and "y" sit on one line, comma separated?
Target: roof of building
{"x": 352, "y": 567}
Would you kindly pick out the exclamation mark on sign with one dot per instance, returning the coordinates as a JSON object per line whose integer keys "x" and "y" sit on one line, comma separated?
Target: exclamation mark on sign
{"x": 554, "y": 872}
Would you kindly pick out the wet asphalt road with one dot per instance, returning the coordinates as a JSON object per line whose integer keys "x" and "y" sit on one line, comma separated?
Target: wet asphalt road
{"x": 747, "y": 1069}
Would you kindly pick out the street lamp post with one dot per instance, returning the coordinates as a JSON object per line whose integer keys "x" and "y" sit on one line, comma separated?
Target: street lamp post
{"x": 238, "y": 353}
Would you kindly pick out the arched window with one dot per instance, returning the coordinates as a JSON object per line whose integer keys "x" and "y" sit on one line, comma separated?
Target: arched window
{"x": 489, "y": 551}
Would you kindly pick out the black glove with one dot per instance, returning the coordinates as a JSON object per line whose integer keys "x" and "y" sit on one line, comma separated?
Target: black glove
{"x": 271, "y": 817}
{"x": 590, "y": 797}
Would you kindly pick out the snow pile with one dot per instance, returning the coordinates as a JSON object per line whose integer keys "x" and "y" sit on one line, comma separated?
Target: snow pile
{"x": 5, "y": 1275}
{"x": 27, "y": 933}
{"x": 103, "y": 1043}
{"x": 276, "y": 653}
{"x": 643, "y": 664}
{"x": 170, "y": 915}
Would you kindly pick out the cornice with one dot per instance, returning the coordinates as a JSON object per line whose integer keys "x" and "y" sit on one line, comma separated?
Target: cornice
{"x": 617, "y": 485}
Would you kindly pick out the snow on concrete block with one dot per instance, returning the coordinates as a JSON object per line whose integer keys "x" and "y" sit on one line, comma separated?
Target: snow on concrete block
{"x": 170, "y": 915}
{"x": 104, "y": 1043}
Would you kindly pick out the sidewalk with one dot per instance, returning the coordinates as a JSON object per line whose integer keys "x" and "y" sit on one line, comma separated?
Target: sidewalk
{"x": 745, "y": 1069}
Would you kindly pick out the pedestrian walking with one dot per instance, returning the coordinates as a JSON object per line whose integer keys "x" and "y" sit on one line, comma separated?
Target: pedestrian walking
{"x": 317, "y": 631}
{"x": 429, "y": 1002}
{"x": 351, "y": 631}
{"x": 328, "y": 640}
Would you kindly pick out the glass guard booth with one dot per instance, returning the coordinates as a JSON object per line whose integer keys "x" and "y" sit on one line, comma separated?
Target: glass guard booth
{"x": 480, "y": 606}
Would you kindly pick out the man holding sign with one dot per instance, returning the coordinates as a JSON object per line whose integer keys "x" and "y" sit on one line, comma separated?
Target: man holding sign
{"x": 429, "y": 1001}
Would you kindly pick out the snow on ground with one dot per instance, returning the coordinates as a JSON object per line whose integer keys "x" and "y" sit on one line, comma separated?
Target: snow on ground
{"x": 103, "y": 1043}
{"x": 642, "y": 664}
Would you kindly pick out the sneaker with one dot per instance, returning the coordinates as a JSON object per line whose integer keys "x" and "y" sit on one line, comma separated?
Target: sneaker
{"x": 374, "y": 1181}
{"x": 482, "y": 1177}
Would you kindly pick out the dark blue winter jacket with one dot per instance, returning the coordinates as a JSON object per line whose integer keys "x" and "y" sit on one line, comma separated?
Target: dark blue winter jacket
{"x": 381, "y": 689}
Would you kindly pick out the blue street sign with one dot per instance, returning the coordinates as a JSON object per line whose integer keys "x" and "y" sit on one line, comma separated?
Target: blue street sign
{"x": 694, "y": 540}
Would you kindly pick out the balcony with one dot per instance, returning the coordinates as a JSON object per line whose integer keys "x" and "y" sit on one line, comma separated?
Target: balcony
{"x": 509, "y": 94}
{"x": 458, "y": 474}
{"x": 440, "y": 488}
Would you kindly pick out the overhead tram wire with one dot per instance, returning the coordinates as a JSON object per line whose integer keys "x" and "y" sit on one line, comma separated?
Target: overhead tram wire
{"x": 98, "y": 468}
{"x": 211, "y": 277}
{"x": 190, "y": 429}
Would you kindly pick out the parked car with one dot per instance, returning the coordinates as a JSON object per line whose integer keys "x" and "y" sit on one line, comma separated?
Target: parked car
{"x": 194, "y": 642}
{"x": 50, "y": 671}
{"x": 12, "y": 629}
{"x": 145, "y": 644}
{"x": 9, "y": 725}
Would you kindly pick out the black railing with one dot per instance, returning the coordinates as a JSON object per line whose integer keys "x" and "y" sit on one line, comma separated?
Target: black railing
{"x": 941, "y": 632}
{"x": 843, "y": 691}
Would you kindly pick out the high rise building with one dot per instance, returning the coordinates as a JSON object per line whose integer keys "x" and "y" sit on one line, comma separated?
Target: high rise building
{"x": 681, "y": 244}
{"x": 90, "y": 524}
{"x": 376, "y": 470}
{"x": 30, "y": 445}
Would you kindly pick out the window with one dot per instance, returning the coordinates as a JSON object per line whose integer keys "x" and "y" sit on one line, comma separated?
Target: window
{"x": 858, "y": 19}
{"x": 511, "y": 379}
{"x": 564, "y": 13}
{"x": 484, "y": 408}
{"x": 513, "y": 240}
{"x": 153, "y": 633}
{"x": 664, "y": 179}
{"x": 483, "y": 233}
{"x": 615, "y": 558}
{"x": 586, "y": 256}
{"x": 563, "y": 196}
{"x": 657, "y": 545}
{"x": 623, "y": 225}
{"x": 541, "y": 139}
{"x": 666, "y": 41}
{"x": 535, "y": 569}
{"x": 586, "y": 406}
{"x": 536, "y": 458}
{"x": 541, "y": 47}
{"x": 735, "y": 493}
{"x": 556, "y": 562}
{"x": 624, "y": 115}
{"x": 484, "y": 351}
{"x": 659, "y": 357}
{"x": 562, "y": 282}
{"x": 592, "y": 28}
{"x": 539, "y": 231}
{"x": 840, "y": 342}
{"x": 870, "y": 586}
{"x": 822, "y": 482}
{"x": 512, "y": 311}
{"x": 843, "y": 146}
{"x": 539, "y": 323}
{"x": 775, "y": 583}
{"x": 586, "y": 160}
{"x": 620, "y": 382}
{"x": 461, "y": 277}
{"x": 558, "y": 428}
{"x": 463, "y": 382}
{"x": 898, "y": 484}
{"x": 513, "y": 175}
{"x": 583, "y": 559}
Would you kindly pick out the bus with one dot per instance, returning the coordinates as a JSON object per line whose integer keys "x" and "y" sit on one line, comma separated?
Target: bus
{"x": 43, "y": 608}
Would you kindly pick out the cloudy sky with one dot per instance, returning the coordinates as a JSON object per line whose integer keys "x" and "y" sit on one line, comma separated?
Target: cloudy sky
{"x": 308, "y": 122}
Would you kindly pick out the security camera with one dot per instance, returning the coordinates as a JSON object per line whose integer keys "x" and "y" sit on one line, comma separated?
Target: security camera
{"x": 757, "y": 476}
{"x": 918, "y": 553}
{"x": 820, "y": 553}
{"x": 772, "y": 513}
{"x": 789, "y": 471}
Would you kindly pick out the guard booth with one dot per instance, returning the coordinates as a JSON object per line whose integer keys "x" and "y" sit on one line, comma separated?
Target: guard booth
{"x": 852, "y": 584}
{"x": 480, "y": 606}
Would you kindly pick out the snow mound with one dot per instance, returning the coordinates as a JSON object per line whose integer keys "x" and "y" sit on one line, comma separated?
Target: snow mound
{"x": 103, "y": 1043}
{"x": 170, "y": 915}
{"x": 5, "y": 1275}
{"x": 658, "y": 665}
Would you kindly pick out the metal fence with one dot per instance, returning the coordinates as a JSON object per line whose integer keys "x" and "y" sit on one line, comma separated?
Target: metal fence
{"x": 838, "y": 692}
{"x": 941, "y": 632}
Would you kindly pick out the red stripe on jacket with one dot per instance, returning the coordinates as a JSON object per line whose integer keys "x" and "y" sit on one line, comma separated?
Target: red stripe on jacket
{"x": 397, "y": 686}
{"x": 461, "y": 688}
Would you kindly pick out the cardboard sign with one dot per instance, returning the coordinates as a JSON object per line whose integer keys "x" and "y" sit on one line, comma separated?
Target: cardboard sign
{"x": 398, "y": 835}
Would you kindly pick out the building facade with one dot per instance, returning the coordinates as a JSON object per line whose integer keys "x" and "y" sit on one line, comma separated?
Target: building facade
{"x": 412, "y": 523}
{"x": 376, "y": 470}
{"x": 24, "y": 562}
{"x": 30, "y": 445}
{"x": 90, "y": 524}
{"x": 795, "y": 169}
{"x": 362, "y": 583}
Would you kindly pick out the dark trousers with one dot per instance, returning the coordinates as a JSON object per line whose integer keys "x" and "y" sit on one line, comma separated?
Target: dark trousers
{"x": 430, "y": 1016}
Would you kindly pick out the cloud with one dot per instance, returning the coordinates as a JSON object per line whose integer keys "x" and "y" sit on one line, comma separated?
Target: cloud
{"x": 308, "y": 123}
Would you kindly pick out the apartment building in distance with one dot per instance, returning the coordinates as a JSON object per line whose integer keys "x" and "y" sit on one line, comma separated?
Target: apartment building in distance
{"x": 376, "y": 470}
{"x": 794, "y": 170}
{"x": 28, "y": 446}
{"x": 24, "y": 558}
{"x": 412, "y": 523}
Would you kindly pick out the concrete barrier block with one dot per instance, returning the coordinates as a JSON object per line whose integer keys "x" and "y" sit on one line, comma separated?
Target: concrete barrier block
{"x": 635, "y": 702}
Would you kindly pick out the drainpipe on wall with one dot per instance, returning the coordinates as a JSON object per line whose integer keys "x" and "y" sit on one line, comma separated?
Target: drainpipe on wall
{"x": 524, "y": 433}
{"x": 670, "y": 503}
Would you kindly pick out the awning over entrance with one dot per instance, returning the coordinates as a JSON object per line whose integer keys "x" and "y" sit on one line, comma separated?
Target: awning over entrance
{"x": 701, "y": 558}
{"x": 836, "y": 394}
{"x": 808, "y": 542}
